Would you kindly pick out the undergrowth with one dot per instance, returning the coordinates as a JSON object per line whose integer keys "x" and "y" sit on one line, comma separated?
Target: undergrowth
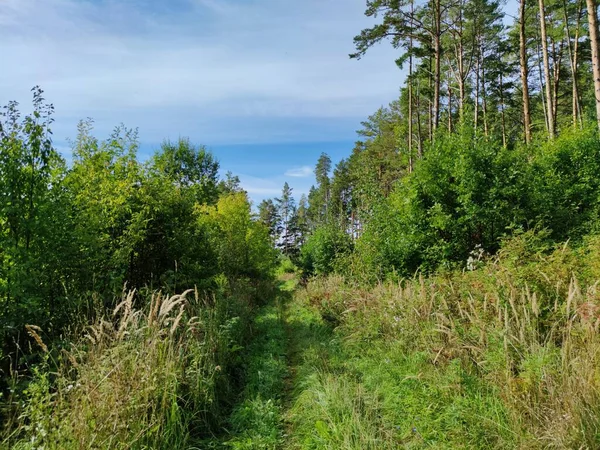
{"x": 503, "y": 356}
{"x": 158, "y": 376}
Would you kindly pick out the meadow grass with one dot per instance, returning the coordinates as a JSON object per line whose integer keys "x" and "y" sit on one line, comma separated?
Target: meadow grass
{"x": 158, "y": 376}
{"x": 504, "y": 356}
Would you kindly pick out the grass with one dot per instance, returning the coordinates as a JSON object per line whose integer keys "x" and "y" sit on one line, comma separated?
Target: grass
{"x": 256, "y": 423}
{"x": 505, "y": 356}
{"x": 154, "y": 377}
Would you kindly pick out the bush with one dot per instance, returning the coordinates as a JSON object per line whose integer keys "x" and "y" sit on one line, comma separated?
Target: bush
{"x": 469, "y": 193}
{"x": 286, "y": 265}
{"x": 323, "y": 248}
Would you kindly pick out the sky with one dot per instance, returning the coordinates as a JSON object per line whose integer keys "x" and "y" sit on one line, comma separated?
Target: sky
{"x": 266, "y": 85}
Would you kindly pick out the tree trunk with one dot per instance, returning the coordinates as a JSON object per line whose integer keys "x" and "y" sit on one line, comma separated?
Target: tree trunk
{"x": 549, "y": 99}
{"x": 430, "y": 124}
{"x": 575, "y": 65}
{"x": 419, "y": 133}
{"x": 410, "y": 101}
{"x": 461, "y": 66}
{"x": 593, "y": 22}
{"x": 524, "y": 73}
{"x": 483, "y": 95}
{"x": 573, "y": 62}
{"x": 476, "y": 112}
{"x": 449, "y": 107}
{"x": 410, "y": 114}
{"x": 557, "y": 58}
{"x": 541, "y": 78}
{"x": 437, "y": 49}
{"x": 502, "y": 111}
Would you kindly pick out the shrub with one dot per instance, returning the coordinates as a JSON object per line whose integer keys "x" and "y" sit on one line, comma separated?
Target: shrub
{"x": 323, "y": 248}
{"x": 469, "y": 193}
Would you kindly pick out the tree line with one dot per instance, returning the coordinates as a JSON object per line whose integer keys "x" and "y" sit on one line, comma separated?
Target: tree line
{"x": 466, "y": 64}
{"x": 495, "y": 133}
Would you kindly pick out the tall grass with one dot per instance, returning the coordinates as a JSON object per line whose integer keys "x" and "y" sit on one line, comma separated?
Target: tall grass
{"x": 159, "y": 376}
{"x": 503, "y": 356}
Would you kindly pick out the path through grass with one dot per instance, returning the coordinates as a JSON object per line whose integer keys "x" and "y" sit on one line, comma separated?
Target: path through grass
{"x": 353, "y": 389}
{"x": 289, "y": 342}
{"x": 312, "y": 385}
{"x": 256, "y": 423}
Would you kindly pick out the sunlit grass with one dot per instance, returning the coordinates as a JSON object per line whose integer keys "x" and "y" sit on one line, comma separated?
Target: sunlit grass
{"x": 505, "y": 356}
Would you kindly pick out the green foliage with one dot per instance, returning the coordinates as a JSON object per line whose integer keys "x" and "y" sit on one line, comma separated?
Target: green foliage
{"x": 269, "y": 217}
{"x": 286, "y": 227}
{"x": 243, "y": 246}
{"x": 323, "y": 248}
{"x": 191, "y": 167}
{"x": 565, "y": 183}
{"x": 286, "y": 266}
{"x": 33, "y": 229}
{"x": 72, "y": 236}
{"x": 469, "y": 192}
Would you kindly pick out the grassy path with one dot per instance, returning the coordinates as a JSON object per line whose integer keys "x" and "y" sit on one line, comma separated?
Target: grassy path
{"x": 314, "y": 386}
{"x": 304, "y": 389}
{"x": 256, "y": 423}
{"x": 307, "y": 389}
{"x": 352, "y": 389}
{"x": 308, "y": 350}
{"x": 288, "y": 344}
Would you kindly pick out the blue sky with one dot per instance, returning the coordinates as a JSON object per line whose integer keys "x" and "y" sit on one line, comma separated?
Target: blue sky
{"x": 267, "y": 85}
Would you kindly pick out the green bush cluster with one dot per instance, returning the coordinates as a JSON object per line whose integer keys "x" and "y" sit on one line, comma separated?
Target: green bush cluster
{"x": 467, "y": 194}
{"x": 323, "y": 248}
{"x": 72, "y": 235}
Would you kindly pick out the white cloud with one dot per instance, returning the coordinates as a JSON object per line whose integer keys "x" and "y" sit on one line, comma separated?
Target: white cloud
{"x": 194, "y": 67}
{"x": 260, "y": 188}
{"x": 300, "y": 172}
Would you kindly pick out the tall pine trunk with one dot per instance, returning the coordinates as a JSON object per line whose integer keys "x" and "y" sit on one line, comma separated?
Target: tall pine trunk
{"x": 524, "y": 73}
{"x": 575, "y": 64}
{"x": 549, "y": 99}
{"x": 461, "y": 66}
{"x": 541, "y": 79}
{"x": 593, "y": 23}
{"x": 410, "y": 98}
{"x": 430, "y": 104}
{"x": 483, "y": 94}
{"x": 502, "y": 110}
{"x": 573, "y": 61}
{"x": 419, "y": 132}
{"x": 437, "y": 50}
{"x": 476, "y": 111}
{"x": 557, "y": 58}
{"x": 449, "y": 105}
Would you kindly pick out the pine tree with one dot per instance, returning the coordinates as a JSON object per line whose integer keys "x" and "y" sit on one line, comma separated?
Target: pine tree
{"x": 286, "y": 209}
{"x": 592, "y": 10}
{"x": 268, "y": 216}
